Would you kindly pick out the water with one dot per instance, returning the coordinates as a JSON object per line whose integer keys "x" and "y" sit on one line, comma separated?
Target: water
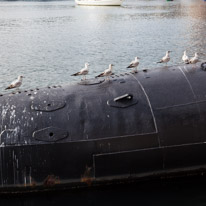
{"x": 48, "y": 41}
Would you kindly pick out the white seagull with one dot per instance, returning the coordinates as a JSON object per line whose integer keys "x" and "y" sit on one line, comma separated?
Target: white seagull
{"x": 166, "y": 58}
{"x": 16, "y": 83}
{"x": 83, "y": 71}
{"x": 106, "y": 72}
{"x": 185, "y": 58}
{"x": 134, "y": 63}
{"x": 194, "y": 59}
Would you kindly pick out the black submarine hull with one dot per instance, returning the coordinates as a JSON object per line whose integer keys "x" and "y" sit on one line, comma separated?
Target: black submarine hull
{"x": 136, "y": 126}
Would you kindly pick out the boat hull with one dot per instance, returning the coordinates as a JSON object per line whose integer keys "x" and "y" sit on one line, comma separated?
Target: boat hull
{"x": 99, "y": 2}
{"x": 137, "y": 126}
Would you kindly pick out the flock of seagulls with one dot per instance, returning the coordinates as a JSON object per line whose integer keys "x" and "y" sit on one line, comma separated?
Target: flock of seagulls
{"x": 134, "y": 64}
{"x": 108, "y": 72}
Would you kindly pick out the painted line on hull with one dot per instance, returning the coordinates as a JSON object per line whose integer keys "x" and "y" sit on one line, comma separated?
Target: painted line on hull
{"x": 195, "y": 97}
{"x": 187, "y": 82}
{"x": 153, "y": 148}
{"x": 180, "y": 105}
{"x": 155, "y": 124}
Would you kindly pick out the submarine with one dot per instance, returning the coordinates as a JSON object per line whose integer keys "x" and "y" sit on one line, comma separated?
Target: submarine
{"x": 137, "y": 126}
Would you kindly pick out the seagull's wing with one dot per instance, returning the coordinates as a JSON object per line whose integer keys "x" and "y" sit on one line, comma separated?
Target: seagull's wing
{"x": 76, "y": 74}
{"x": 192, "y": 60}
{"x": 185, "y": 58}
{"x": 100, "y": 75}
{"x": 107, "y": 72}
{"x": 10, "y": 87}
{"x": 84, "y": 71}
{"x": 160, "y": 61}
{"x": 14, "y": 84}
{"x": 131, "y": 64}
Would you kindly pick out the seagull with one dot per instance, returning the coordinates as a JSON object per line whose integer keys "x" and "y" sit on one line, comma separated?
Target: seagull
{"x": 166, "y": 58}
{"x": 185, "y": 58}
{"x": 16, "y": 83}
{"x": 134, "y": 63}
{"x": 83, "y": 71}
{"x": 194, "y": 59}
{"x": 106, "y": 72}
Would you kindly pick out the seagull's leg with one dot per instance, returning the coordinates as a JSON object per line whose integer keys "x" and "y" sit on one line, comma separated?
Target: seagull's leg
{"x": 135, "y": 69}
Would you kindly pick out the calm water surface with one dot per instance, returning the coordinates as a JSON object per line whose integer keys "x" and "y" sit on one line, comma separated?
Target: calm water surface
{"x": 48, "y": 41}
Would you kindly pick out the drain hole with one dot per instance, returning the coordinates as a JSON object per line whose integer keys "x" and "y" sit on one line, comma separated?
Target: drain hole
{"x": 51, "y": 134}
{"x": 48, "y": 105}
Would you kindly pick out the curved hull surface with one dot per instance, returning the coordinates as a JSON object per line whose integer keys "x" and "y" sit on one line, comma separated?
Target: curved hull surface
{"x": 135, "y": 126}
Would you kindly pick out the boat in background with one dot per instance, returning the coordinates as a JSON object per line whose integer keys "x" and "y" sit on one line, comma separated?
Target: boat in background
{"x": 99, "y": 2}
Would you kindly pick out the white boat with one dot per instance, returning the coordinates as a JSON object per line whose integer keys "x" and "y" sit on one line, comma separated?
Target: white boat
{"x": 99, "y": 2}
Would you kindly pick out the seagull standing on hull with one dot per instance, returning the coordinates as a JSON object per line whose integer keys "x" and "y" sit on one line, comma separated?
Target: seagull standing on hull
{"x": 106, "y": 72}
{"x": 194, "y": 59}
{"x": 185, "y": 58}
{"x": 83, "y": 71}
{"x": 165, "y": 59}
{"x": 16, "y": 83}
{"x": 134, "y": 63}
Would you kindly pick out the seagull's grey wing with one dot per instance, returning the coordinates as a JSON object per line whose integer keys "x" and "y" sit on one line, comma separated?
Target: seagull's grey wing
{"x": 131, "y": 64}
{"x": 84, "y": 71}
{"x": 76, "y": 74}
{"x": 100, "y": 75}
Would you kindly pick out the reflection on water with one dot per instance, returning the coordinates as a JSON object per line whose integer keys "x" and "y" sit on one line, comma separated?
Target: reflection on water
{"x": 47, "y": 41}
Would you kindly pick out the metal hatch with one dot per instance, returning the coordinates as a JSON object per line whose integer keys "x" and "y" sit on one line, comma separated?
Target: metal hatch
{"x": 123, "y": 101}
{"x": 47, "y": 105}
{"x": 50, "y": 134}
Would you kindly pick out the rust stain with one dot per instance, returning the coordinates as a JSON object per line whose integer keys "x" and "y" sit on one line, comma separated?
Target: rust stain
{"x": 33, "y": 183}
{"x": 87, "y": 176}
{"x": 51, "y": 180}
